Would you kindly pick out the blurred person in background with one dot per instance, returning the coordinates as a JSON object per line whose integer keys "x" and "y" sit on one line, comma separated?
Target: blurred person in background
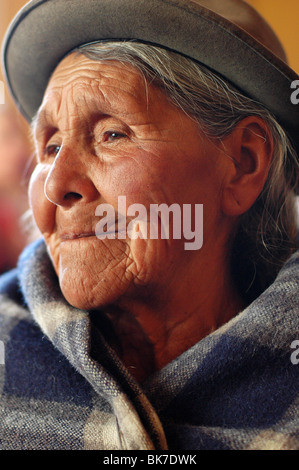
{"x": 14, "y": 168}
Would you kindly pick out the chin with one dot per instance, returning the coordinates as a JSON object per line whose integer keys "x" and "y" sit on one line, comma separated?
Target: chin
{"x": 89, "y": 297}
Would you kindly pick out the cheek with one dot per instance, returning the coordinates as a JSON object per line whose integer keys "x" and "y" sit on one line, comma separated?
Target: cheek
{"x": 138, "y": 177}
{"x": 43, "y": 210}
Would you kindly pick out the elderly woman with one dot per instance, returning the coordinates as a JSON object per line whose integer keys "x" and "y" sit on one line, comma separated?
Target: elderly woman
{"x": 125, "y": 333}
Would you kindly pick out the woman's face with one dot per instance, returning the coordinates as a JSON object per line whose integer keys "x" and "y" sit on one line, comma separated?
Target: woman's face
{"x": 103, "y": 132}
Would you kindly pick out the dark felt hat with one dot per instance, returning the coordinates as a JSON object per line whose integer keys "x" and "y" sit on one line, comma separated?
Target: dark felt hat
{"x": 228, "y": 36}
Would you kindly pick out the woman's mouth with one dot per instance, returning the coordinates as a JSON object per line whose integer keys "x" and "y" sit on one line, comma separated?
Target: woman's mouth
{"x": 76, "y": 235}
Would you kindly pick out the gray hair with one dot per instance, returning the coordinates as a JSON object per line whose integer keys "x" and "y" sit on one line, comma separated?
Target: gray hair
{"x": 266, "y": 234}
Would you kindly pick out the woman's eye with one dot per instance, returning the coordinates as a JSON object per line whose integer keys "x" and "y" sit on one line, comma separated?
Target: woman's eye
{"x": 52, "y": 150}
{"x": 112, "y": 136}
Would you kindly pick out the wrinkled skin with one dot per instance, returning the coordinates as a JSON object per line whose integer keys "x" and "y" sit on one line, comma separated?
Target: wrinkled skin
{"x": 102, "y": 132}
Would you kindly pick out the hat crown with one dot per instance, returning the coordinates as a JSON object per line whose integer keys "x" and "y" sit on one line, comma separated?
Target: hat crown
{"x": 246, "y": 17}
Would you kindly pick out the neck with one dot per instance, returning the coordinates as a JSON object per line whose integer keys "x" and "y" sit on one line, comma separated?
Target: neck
{"x": 151, "y": 333}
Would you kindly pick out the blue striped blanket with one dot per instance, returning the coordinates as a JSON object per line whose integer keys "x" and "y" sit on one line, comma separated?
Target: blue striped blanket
{"x": 63, "y": 387}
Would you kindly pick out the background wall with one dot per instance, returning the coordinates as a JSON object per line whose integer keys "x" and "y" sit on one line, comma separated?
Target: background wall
{"x": 8, "y": 9}
{"x": 283, "y": 16}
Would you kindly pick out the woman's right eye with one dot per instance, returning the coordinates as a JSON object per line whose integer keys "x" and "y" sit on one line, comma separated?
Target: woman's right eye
{"x": 52, "y": 150}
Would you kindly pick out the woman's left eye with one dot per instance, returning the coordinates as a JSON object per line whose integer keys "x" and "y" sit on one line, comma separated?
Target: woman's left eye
{"x": 112, "y": 136}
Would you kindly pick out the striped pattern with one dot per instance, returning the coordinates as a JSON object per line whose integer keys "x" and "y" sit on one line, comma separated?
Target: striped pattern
{"x": 62, "y": 387}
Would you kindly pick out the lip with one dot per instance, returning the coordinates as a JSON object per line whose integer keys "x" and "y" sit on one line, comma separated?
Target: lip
{"x": 66, "y": 237}
{"x": 76, "y": 236}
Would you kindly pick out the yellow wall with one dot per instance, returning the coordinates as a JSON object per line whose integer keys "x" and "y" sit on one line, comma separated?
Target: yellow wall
{"x": 283, "y": 16}
{"x": 8, "y": 9}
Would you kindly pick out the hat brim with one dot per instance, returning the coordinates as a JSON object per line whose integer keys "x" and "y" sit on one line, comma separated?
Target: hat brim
{"x": 45, "y": 31}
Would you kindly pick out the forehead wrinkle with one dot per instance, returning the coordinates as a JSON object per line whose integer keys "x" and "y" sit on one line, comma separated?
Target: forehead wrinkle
{"x": 74, "y": 105}
{"x": 82, "y": 68}
{"x": 92, "y": 86}
{"x": 58, "y": 111}
{"x": 67, "y": 112}
{"x": 75, "y": 67}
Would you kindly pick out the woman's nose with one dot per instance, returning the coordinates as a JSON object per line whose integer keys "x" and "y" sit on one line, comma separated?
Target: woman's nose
{"x": 68, "y": 182}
